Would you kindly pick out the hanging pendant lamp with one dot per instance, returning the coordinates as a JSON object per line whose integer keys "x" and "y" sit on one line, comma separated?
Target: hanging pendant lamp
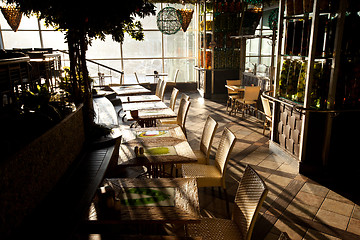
{"x": 186, "y": 17}
{"x": 13, "y": 16}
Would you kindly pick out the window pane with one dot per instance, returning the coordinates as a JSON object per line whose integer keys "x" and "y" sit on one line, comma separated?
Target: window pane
{"x": 103, "y": 49}
{"x": 94, "y": 69}
{"x": 25, "y": 23}
{"x": 21, "y": 39}
{"x": 54, "y": 39}
{"x": 186, "y": 67}
{"x": 150, "y": 21}
{"x": 180, "y": 44}
{"x": 141, "y": 67}
{"x": 150, "y": 47}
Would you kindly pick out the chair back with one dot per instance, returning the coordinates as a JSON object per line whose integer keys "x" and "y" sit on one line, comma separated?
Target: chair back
{"x": 162, "y": 90}
{"x": 266, "y": 106}
{"x": 174, "y": 94}
{"x": 136, "y": 77}
{"x": 249, "y": 198}
{"x": 251, "y": 93}
{"x": 226, "y": 145}
{"x": 182, "y": 114}
{"x": 176, "y": 75}
{"x": 184, "y": 96}
{"x": 207, "y": 137}
{"x": 230, "y": 83}
{"x": 158, "y": 86}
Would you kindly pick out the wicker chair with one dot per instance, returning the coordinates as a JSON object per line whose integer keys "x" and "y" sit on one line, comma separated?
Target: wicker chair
{"x": 249, "y": 197}
{"x": 181, "y": 116}
{"x": 162, "y": 90}
{"x": 213, "y": 175}
{"x": 158, "y": 87}
{"x": 267, "y": 111}
{"x": 251, "y": 96}
{"x": 173, "y": 97}
{"x": 207, "y": 138}
{"x": 232, "y": 95}
{"x": 166, "y": 121}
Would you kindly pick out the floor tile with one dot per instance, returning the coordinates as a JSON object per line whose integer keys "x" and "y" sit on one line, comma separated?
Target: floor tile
{"x": 315, "y": 189}
{"x": 315, "y": 235}
{"x": 354, "y": 226}
{"x": 337, "y": 207}
{"x": 295, "y": 231}
{"x": 332, "y": 219}
{"x": 309, "y": 199}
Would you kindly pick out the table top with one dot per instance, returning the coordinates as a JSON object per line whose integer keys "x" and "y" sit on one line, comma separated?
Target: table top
{"x": 152, "y": 114}
{"x": 139, "y": 98}
{"x": 182, "y": 206}
{"x": 153, "y": 136}
{"x": 156, "y": 153}
{"x": 130, "y": 90}
{"x": 237, "y": 88}
{"x": 143, "y": 105}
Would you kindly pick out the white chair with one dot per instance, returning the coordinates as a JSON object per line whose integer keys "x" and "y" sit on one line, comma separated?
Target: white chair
{"x": 162, "y": 90}
{"x": 249, "y": 198}
{"x": 158, "y": 87}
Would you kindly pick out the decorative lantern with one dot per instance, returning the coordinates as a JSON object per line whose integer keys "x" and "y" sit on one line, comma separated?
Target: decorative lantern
{"x": 169, "y": 20}
{"x": 13, "y": 16}
{"x": 186, "y": 15}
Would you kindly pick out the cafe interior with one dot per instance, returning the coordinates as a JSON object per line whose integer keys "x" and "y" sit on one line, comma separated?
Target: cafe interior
{"x": 180, "y": 119}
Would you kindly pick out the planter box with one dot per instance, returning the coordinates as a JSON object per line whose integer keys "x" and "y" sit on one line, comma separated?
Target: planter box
{"x": 27, "y": 177}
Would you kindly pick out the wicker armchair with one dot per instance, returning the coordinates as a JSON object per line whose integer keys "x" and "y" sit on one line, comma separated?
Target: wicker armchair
{"x": 173, "y": 97}
{"x": 249, "y": 197}
{"x": 232, "y": 95}
{"x": 213, "y": 175}
{"x": 267, "y": 111}
{"x": 251, "y": 96}
{"x": 162, "y": 90}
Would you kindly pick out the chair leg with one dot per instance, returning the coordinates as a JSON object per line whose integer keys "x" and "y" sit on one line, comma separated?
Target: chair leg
{"x": 227, "y": 202}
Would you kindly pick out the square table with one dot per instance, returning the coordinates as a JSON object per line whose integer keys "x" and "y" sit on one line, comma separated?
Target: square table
{"x": 143, "y": 105}
{"x": 182, "y": 206}
{"x": 153, "y": 136}
{"x": 130, "y": 90}
{"x": 139, "y": 98}
{"x": 148, "y": 117}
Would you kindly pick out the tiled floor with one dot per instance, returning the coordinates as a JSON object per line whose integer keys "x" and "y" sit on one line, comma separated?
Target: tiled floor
{"x": 295, "y": 204}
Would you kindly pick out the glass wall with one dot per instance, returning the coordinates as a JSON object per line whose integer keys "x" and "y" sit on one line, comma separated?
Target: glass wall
{"x": 163, "y": 53}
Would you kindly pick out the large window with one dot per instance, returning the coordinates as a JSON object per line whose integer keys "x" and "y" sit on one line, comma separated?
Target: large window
{"x": 163, "y": 53}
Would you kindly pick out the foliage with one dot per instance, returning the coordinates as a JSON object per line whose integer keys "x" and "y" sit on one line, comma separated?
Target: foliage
{"x": 82, "y": 21}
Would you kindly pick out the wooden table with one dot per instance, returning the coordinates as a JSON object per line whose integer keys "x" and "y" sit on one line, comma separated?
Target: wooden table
{"x": 153, "y": 136}
{"x": 147, "y": 118}
{"x": 139, "y": 98}
{"x": 181, "y": 206}
{"x": 130, "y": 90}
{"x": 143, "y": 106}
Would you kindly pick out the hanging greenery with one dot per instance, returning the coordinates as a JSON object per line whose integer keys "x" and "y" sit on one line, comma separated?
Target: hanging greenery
{"x": 273, "y": 19}
{"x": 255, "y": 2}
{"x": 169, "y": 20}
{"x": 13, "y": 16}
